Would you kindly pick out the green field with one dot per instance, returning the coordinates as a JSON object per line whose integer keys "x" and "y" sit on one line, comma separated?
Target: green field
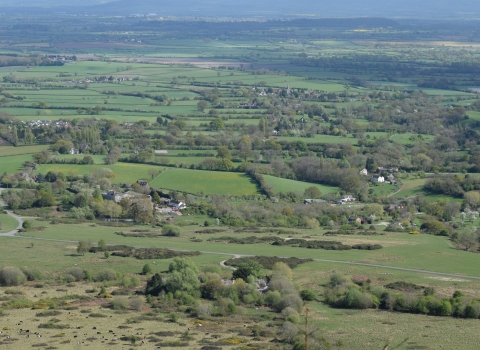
{"x": 286, "y": 185}
{"x": 207, "y": 182}
{"x": 7, "y": 223}
{"x": 12, "y": 151}
{"x": 428, "y": 252}
{"x": 125, "y": 172}
{"x": 13, "y": 164}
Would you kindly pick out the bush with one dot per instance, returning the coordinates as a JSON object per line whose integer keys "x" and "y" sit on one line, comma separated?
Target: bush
{"x": 355, "y": 299}
{"x": 106, "y": 275}
{"x": 78, "y": 273}
{"x": 32, "y": 274}
{"x": 204, "y": 310}
{"x": 290, "y": 331}
{"x": 119, "y": 303}
{"x": 146, "y": 269}
{"x": 307, "y": 295}
{"x": 290, "y": 301}
{"x": 26, "y": 225}
{"x": 136, "y": 303}
{"x": 67, "y": 278}
{"x": 171, "y": 231}
{"x": 11, "y": 276}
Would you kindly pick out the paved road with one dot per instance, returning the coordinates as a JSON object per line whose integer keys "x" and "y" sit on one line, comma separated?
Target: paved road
{"x": 18, "y": 218}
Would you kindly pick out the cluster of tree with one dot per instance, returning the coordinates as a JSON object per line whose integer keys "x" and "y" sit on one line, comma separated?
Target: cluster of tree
{"x": 452, "y": 185}
{"x": 25, "y": 199}
{"x": 342, "y": 292}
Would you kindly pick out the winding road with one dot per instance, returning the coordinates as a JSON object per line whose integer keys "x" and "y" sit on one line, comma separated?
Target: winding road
{"x": 16, "y": 217}
{"x": 20, "y": 222}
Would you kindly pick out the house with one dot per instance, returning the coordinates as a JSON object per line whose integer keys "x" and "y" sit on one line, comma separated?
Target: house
{"x": 177, "y": 205}
{"x": 142, "y": 183}
{"x": 364, "y": 172}
{"x": 118, "y": 196}
{"x": 311, "y": 201}
{"x": 74, "y": 151}
{"x": 394, "y": 207}
{"x": 348, "y": 198}
{"x": 377, "y": 179}
{"x": 356, "y": 219}
{"x": 161, "y": 151}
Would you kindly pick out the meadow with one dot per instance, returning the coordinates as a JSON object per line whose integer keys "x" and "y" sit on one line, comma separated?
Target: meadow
{"x": 287, "y": 185}
{"x": 206, "y": 182}
{"x": 125, "y": 172}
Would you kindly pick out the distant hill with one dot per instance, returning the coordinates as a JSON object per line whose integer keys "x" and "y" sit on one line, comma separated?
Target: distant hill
{"x": 429, "y": 9}
{"x": 270, "y": 8}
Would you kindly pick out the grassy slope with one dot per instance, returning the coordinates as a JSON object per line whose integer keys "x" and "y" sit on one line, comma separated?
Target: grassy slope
{"x": 403, "y": 250}
{"x": 125, "y": 172}
{"x": 286, "y": 185}
{"x": 7, "y": 223}
{"x": 195, "y": 181}
{"x": 12, "y": 151}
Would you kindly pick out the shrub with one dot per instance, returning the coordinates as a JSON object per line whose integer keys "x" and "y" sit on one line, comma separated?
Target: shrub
{"x": 78, "y": 273}
{"x": 281, "y": 284}
{"x": 146, "y": 269}
{"x": 106, "y": 275}
{"x": 136, "y": 303}
{"x": 472, "y": 310}
{"x": 355, "y": 299}
{"x": 67, "y": 278}
{"x": 171, "y": 231}
{"x": 204, "y": 310}
{"x": 11, "y": 276}
{"x": 307, "y": 295}
{"x": 119, "y": 303}
{"x": 290, "y": 300}
{"x": 32, "y": 274}
{"x": 290, "y": 331}
{"x": 26, "y": 225}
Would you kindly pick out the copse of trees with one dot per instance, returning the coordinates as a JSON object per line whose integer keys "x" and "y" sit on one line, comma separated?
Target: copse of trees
{"x": 342, "y": 292}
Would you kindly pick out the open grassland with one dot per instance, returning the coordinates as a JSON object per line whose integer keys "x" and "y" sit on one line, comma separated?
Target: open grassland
{"x": 286, "y": 185}
{"x": 400, "y": 249}
{"x": 366, "y": 329}
{"x": 374, "y": 329}
{"x": 207, "y": 182}
{"x": 88, "y": 321}
{"x": 7, "y": 223}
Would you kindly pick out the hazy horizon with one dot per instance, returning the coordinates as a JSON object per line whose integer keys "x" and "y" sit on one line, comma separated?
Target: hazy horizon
{"x": 428, "y": 9}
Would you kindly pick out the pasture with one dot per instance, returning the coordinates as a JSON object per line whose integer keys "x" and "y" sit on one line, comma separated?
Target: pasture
{"x": 206, "y": 182}
{"x": 427, "y": 252}
{"x": 125, "y": 172}
{"x": 287, "y": 185}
